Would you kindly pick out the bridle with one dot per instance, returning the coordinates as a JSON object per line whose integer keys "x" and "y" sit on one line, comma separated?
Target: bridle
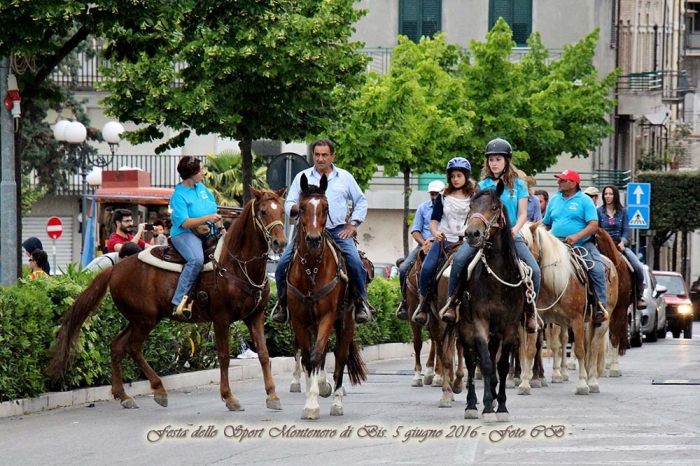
{"x": 496, "y": 221}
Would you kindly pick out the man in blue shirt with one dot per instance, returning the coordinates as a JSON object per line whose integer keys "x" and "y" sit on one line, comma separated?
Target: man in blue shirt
{"x": 421, "y": 233}
{"x": 342, "y": 188}
{"x": 572, "y": 217}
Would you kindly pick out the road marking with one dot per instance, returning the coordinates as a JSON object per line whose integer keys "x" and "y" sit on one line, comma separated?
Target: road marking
{"x": 676, "y": 382}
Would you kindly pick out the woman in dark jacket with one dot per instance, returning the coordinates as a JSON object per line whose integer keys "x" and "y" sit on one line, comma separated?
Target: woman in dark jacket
{"x": 31, "y": 245}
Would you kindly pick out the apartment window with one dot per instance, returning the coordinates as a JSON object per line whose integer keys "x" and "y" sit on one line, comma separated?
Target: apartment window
{"x": 418, "y": 18}
{"x": 693, "y": 9}
{"x": 518, "y": 15}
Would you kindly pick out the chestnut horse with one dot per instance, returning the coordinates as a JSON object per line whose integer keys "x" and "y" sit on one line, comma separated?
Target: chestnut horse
{"x": 562, "y": 301}
{"x": 238, "y": 289}
{"x": 317, "y": 302}
{"x": 492, "y": 305}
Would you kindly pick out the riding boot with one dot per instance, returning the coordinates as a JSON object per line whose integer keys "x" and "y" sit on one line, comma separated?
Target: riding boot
{"x": 363, "y": 311}
{"x": 420, "y": 316}
{"x": 184, "y": 309}
{"x": 448, "y": 313}
{"x": 530, "y": 319}
{"x": 280, "y": 313}
{"x": 641, "y": 304}
{"x": 401, "y": 313}
{"x": 600, "y": 315}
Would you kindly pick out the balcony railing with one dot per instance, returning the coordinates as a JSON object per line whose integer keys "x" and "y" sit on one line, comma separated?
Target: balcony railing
{"x": 677, "y": 84}
{"x": 640, "y": 82}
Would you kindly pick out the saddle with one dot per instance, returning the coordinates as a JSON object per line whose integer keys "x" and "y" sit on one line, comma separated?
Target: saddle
{"x": 170, "y": 254}
{"x": 581, "y": 268}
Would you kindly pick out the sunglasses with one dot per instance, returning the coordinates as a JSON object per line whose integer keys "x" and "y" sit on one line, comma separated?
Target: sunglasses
{"x": 32, "y": 260}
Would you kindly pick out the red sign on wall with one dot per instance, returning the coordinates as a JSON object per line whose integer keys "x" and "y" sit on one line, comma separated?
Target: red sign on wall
{"x": 54, "y": 228}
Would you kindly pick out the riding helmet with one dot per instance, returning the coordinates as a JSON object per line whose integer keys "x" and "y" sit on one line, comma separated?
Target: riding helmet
{"x": 499, "y": 146}
{"x": 459, "y": 163}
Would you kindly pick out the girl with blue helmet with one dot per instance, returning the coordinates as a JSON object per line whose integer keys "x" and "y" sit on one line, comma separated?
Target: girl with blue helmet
{"x": 446, "y": 224}
{"x": 498, "y": 166}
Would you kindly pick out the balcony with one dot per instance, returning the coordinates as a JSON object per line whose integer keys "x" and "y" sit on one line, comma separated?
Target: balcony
{"x": 676, "y": 84}
{"x": 639, "y": 93}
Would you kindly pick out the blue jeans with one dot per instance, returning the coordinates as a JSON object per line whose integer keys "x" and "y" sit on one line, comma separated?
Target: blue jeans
{"x": 190, "y": 247}
{"x": 597, "y": 273}
{"x": 406, "y": 266}
{"x": 466, "y": 254}
{"x": 356, "y": 269}
{"x": 637, "y": 266}
{"x": 430, "y": 263}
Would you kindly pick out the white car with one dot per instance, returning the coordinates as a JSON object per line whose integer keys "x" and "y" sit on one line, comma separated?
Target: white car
{"x": 654, "y": 316}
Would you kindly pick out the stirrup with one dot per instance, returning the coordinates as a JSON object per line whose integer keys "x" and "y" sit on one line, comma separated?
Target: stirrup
{"x": 451, "y": 304}
{"x": 184, "y": 309}
{"x": 401, "y": 312}
{"x": 280, "y": 313}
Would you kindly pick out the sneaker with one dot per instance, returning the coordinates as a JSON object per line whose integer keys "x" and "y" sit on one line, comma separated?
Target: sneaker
{"x": 248, "y": 354}
{"x": 280, "y": 313}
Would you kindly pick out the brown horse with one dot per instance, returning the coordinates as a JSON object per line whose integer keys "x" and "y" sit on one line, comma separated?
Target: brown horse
{"x": 238, "y": 290}
{"x": 317, "y": 302}
{"x": 618, "y": 319}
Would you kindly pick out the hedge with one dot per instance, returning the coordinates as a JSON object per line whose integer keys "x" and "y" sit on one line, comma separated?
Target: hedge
{"x": 30, "y": 315}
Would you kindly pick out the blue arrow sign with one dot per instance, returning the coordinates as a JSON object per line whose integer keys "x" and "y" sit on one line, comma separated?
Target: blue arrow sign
{"x": 638, "y": 216}
{"x": 638, "y": 194}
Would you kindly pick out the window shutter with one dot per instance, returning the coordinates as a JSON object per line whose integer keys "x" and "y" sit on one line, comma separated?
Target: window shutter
{"x": 522, "y": 21}
{"x": 432, "y": 17}
{"x": 409, "y": 19}
{"x": 500, "y": 8}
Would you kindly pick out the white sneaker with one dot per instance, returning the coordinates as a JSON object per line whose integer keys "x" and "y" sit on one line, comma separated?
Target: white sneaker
{"x": 248, "y": 354}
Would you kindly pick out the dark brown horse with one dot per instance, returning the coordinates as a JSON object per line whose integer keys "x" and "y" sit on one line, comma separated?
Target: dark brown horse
{"x": 238, "y": 290}
{"x": 317, "y": 302}
{"x": 491, "y": 312}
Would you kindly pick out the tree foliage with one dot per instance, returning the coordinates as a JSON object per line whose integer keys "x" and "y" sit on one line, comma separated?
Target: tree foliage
{"x": 223, "y": 177}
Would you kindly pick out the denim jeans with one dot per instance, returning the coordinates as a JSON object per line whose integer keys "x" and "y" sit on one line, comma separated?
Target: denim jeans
{"x": 597, "y": 273}
{"x": 190, "y": 247}
{"x": 356, "y": 270}
{"x": 430, "y": 263}
{"x": 637, "y": 266}
{"x": 406, "y": 267}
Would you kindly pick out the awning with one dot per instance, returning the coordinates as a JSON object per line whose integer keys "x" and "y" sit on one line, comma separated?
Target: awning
{"x": 659, "y": 118}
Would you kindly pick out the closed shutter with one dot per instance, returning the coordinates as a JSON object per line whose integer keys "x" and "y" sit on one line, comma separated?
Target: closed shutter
{"x": 432, "y": 17}
{"x": 409, "y": 19}
{"x": 36, "y": 226}
{"x": 518, "y": 15}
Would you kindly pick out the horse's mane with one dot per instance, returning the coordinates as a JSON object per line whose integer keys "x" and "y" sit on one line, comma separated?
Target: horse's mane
{"x": 237, "y": 241}
{"x": 606, "y": 245}
{"x": 504, "y": 233}
{"x": 555, "y": 264}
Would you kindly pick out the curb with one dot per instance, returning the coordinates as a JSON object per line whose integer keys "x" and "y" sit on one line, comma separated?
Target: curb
{"x": 239, "y": 370}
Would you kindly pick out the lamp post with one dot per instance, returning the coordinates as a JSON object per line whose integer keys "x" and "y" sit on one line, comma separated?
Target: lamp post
{"x": 75, "y": 133}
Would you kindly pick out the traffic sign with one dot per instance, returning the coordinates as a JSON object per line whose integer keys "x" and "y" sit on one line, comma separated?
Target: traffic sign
{"x": 54, "y": 228}
{"x": 638, "y": 205}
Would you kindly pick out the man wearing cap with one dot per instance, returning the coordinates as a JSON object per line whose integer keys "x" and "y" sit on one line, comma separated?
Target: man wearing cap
{"x": 572, "y": 217}
{"x": 421, "y": 233}
{"x": 593, "y": 193}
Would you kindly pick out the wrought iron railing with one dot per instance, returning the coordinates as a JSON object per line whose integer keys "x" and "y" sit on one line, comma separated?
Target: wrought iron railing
{"x": 640, "y": 82}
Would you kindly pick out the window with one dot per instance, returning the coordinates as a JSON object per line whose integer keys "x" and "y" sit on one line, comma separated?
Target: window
{"x": 418, "y": 18}
{"x": 518, "y": 15}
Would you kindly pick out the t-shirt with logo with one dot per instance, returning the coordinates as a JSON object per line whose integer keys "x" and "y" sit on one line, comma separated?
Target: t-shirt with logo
{"x": 569, "y": 216}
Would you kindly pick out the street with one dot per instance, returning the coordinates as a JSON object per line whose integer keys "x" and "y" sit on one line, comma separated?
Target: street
{"x": 649, "y": 416}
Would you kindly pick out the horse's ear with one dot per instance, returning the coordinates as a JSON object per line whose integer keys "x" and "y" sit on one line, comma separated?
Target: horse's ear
{"x": 281, "y": 192}
{"x": 324, "y": 183}
{"x": 304, "y": 183}
{"x": 500, "y": 187}
{"x": 534, "y": 226}
{"x": 255, "y": 192}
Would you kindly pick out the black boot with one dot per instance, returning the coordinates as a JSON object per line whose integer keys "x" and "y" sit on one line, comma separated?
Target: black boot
{"x": 420, "y": 316}
{"x": 600, "y": 315}
{"x": 401, "y": 313}
{"x": 448, "y": 313}
{"x": 363, "y": 311}
{"x": 280, "y": 313}
{"x": 641, "y": 304}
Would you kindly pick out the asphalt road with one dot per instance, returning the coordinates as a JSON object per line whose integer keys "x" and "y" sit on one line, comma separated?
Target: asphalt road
{"x": 649, "y": 416}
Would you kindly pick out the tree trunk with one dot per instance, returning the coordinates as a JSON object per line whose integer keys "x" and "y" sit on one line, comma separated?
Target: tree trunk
{"x": 406, "y": 197}
{"x": 246, "y": 167}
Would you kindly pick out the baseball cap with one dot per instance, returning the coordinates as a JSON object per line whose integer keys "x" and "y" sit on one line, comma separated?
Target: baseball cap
{"x": 569, "y": 175}
{"x": 591, "y": 191}
{"x": 436, "y": 186}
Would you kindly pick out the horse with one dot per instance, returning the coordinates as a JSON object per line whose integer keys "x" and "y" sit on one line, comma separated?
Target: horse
{"x": 562, "y": 301}
{"x": 619, "y": 339}
{"x": 317, "y": 302}
{"x": 491, "y": 308}
{"x": 238, "y": 289}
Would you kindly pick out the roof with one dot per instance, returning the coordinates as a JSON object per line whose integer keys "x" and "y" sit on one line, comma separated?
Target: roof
{"x": 138, "y": 195}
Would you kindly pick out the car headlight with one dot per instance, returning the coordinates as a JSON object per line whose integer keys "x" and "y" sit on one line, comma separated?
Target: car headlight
{"x": 685, "y": 309}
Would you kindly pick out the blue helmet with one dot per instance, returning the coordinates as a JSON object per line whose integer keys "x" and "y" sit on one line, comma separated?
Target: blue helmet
{"x": 459, "y": 163}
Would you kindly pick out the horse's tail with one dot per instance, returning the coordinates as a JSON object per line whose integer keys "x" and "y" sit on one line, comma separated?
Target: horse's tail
{"x": 357, "y": 371}
{"x": 66, "y": 338}
{"x": 618, "y": 322}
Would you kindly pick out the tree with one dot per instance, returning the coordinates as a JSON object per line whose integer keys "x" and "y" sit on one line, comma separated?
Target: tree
{"x": 223, "y": 177}
{"x": 411, "y": 120}
{"x": 244, "y": 69}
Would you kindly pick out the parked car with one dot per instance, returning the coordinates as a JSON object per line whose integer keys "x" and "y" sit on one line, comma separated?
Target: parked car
{"x": 654, "y": 320}
{"x": 679, "y": 309}
{"x": 382, "y": 270}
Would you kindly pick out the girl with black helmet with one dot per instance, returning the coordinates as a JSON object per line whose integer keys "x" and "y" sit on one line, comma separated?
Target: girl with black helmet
{"x": 498, "y": 166}
{"x": 446, "y": 224}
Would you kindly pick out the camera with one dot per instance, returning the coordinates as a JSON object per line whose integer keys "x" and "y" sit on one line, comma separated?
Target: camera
{"x": 148, "y": 227}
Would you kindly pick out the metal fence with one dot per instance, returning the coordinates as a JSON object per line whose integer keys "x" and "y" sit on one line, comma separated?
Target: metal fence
{"x": 640, "y": 82}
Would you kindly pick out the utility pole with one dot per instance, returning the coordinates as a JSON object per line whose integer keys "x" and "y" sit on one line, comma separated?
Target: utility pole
{"x": 8, "y": 186}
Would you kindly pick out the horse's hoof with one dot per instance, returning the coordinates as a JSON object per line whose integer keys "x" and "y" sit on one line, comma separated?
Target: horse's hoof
{"x": 445, "y": 403}
{"x": 416, "y": 383}
{"x": 325, "y": 389}
{"x": 342, "y": 391}
{"x": 517, "y": 380}
{"x": 311, "y": 414}
{"x": 535, "y": 383}
{"x": 510, "y": 383}
{"x": 471, "y": 414}
{"x": 161, "y": 400}
{"x": 336, "y": 410}
{"x": 615, "y": 373}
{"x": 234, "y": 406}
{"x": 571, "y": 365}
{"x": 582, "y": 390}
{"x": 428, "y": 380}
{"x": 543, "y": 381}
{"x": 593, "y": 388}
{"x": 565, "y": 377}
{"x": 437, "y": 381}
{"x": 557, "y": 379}
{"x": 129, "y": 403}
{"x": 273, "y": 404}
{"x": 295, "y": 387}
{"x": 524, "y": 390}
{"x": 457, "y": 389}
{"x": 489, "y": 417}
{"x": 503, "y": 417}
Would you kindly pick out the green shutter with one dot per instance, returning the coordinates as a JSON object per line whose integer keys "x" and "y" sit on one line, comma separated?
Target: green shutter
{"x": 498, "y": 9}
{"x": 432, "y": 17}
{"x": 522, "y": 21}
{"x": 409, "y": 19}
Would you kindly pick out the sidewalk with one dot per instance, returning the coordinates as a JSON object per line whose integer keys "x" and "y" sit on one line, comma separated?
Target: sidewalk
{"x": 239, "y": 369}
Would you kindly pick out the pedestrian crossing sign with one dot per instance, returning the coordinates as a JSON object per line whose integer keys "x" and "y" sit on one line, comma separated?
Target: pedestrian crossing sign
{"x": 638, "y": 216}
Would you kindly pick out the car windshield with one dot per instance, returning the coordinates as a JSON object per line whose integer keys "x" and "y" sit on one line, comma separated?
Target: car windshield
{"x": 673, "y": 283}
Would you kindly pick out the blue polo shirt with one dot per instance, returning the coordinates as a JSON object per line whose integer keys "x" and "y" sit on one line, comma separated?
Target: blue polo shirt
{"x": 510, "y": 200}
{"x": 569, "y": 216}
{"x": 189, "y": 202}
{"x": 421, "y": 222}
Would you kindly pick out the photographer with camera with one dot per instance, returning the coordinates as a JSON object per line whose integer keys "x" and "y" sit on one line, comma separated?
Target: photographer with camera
{"x": 124, "y": 222}
{"x": 159, "y": 237}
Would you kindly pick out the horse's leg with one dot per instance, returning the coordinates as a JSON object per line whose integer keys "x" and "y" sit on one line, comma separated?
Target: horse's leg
{"x": 536, "y": 381}
{"x": 579, "y": 350}
{"x": 295, "y": 387}
{"x": 417, "y": 381}
{"x": 430, "y": 365}
{"x": 448, "y": 364}
{"x": 118, "y": 350}
{"x": 502, "y": 414}
{"x": 554, "y": 342}
{"x": 470, "y": 412}
{"x": 221, "y": 334}
{"x": 324, "y": 386}
{"x": 538, "y": 359}
{"x": 597, "y": 359}
{"x": 344, "y": 334}
{"x": 439, "y": 366}
{"x": 311, "y": 410}
{"x": 458, "y": 384}
{"x": 527, "y": 353}
{"x": 518, "y": 367}
{"x": 487, "y": 415}
{"x": 256, "y": 328}
{"x": 568, "y": 361}
{"x": 614, "y": 362}
{"x": 510, "y": 380}
{"x": 134, "y": 346}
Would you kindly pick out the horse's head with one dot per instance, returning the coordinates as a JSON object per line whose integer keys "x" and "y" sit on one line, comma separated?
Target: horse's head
{"x": 269, "y": 217}
{"x": 486, "y": 215}
{"x": 313, "y": 211}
